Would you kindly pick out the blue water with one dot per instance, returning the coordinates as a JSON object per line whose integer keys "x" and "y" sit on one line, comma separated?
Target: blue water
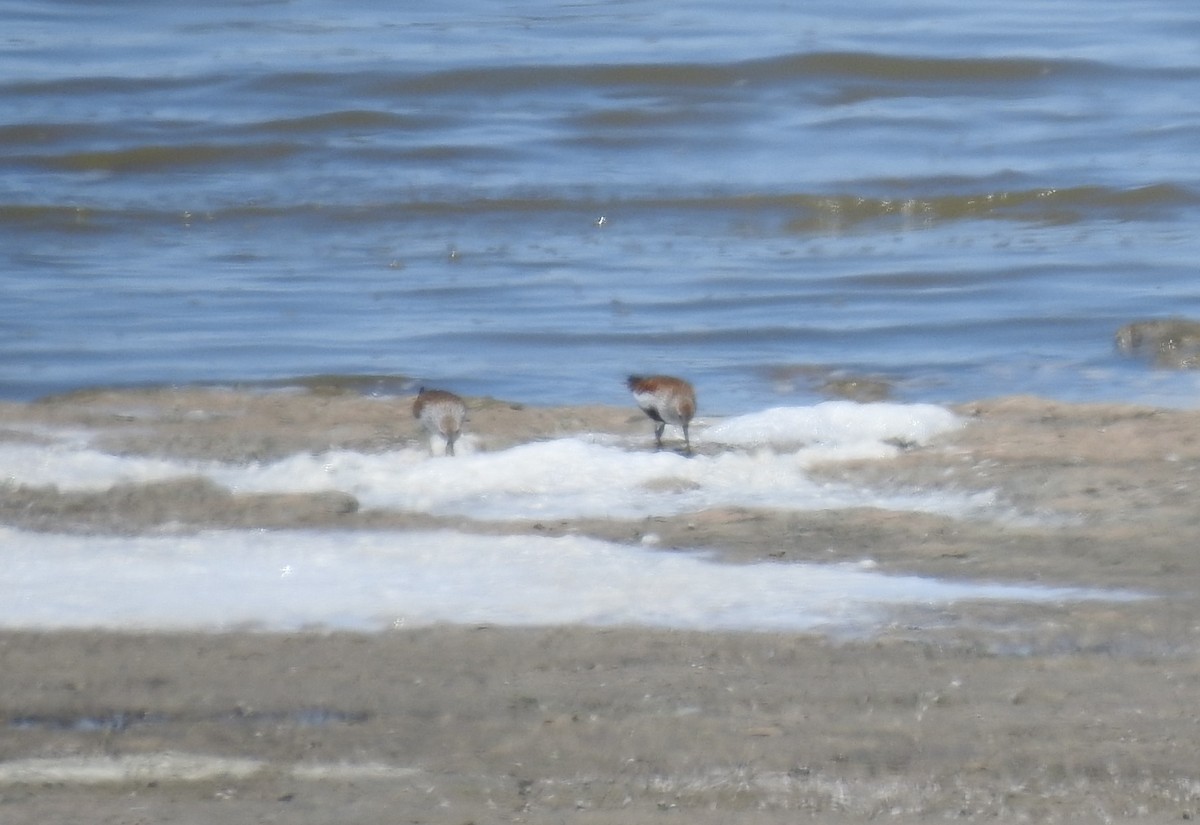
{"x": 532, "y": 199}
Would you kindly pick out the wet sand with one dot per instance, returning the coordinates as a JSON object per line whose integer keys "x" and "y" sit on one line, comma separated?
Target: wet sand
{"x": 1045, "y": 713}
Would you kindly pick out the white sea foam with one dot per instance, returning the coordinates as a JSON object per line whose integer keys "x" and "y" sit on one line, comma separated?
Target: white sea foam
{"x": 176, "y": 766}
{"x": 766, "y": 464}
{"x": 70, "y": 464}
{"x": 576, "y": 477}
{"x": 376, "y": 580}
{"x": 835, "y": 424}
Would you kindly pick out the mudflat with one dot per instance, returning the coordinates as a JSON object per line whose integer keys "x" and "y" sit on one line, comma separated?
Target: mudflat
{"x": 1078, "y": 712}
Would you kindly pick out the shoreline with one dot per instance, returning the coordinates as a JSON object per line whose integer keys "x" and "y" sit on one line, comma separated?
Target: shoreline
{"x": 1055, "y": 475}
{"x": 1054, "y": 712}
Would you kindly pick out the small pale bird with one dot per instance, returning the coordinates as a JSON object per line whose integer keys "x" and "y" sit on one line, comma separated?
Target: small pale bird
{"x": 442, "y": 414}
{"x": 667, "y": 400}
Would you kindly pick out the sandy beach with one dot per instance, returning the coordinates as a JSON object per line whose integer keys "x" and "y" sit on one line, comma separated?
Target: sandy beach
{"x": 1082, "y": 712}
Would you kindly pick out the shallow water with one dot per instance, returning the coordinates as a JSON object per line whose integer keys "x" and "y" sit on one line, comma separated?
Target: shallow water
{"x": 530, "y": 200}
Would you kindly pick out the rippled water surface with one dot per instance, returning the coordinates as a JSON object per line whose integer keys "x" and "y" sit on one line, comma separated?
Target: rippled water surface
{"x": 531, "y": 199}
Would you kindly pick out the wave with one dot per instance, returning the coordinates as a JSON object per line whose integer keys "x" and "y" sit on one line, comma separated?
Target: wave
{"x": 490, "y": 78}
{"x": 156, "y": 158}
{"x": 1036, "y": 205}
{"x": 352, "y": 119}
{"x": 803, "y": 212}
{"x": 774, "y": 70}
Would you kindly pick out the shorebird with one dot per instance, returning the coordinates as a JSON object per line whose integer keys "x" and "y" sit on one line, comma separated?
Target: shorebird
{"x": 667, "y": 400}
{"x": 442, "y": 414}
